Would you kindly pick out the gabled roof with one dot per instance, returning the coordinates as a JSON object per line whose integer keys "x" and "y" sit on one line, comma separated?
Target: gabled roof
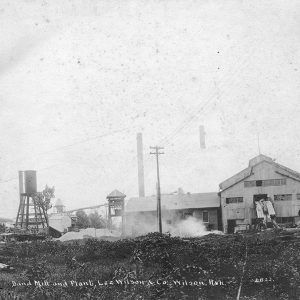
{"x": 292, "y": 172}
{"x": 116, "y": 194}
{"x": 235, "y": 179}
{"x": 173, "y": 202}
{"x": 248, "y": 171}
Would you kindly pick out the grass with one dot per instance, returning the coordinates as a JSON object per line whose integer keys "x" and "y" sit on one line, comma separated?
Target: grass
{"x": 154, "y": 267}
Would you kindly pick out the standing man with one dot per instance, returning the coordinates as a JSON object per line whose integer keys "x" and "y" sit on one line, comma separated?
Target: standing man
{"x": 260, "y": 215}
{"x": 271, "y": 211}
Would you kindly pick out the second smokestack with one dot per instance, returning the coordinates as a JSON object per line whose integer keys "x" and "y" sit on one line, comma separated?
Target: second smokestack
{"x": 202, "y": 137}
{"x": 139, "y": 139}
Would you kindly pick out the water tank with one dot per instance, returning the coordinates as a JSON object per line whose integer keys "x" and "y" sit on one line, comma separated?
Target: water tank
{"x": 30, "y": 182}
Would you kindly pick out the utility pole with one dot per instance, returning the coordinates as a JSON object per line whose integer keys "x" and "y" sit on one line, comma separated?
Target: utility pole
{"x": 156, "y": 148}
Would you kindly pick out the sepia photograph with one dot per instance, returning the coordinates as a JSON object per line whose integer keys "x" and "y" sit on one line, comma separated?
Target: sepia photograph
{"x": 150, "y": 149}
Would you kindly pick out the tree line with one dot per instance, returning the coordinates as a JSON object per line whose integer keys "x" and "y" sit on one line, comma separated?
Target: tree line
{"x": 93, "y": 220}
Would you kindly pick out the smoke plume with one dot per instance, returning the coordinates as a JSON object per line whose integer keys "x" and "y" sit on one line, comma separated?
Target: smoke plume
{"x": 141, "y": 224}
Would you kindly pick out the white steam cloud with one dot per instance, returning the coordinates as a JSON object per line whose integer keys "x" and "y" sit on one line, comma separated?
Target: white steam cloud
{"x": 142, "y": 224}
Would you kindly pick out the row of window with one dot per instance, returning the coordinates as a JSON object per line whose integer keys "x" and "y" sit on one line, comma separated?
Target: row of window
{"x": 280, "y": 197}
{"x": 267, "y": 182}
{"x": 283, "y": 197}
{"x": 234, "y": 200}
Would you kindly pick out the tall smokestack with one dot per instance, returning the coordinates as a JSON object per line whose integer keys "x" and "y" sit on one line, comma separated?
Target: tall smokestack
{"x": 202, "y": 137}
{"x": 139, "y": 139}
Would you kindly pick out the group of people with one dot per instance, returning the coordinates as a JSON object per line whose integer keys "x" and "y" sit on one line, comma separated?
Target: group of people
{"x": 265, "y": 210}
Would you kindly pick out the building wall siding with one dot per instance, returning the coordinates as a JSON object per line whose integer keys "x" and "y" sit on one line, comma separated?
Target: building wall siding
{"x": 60, "y": 222}
{"x": 212, "y": 217}
{"x": 245, "y": 211}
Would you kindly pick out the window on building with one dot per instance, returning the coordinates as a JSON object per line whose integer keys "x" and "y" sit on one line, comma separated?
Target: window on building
{"x": 234, "y": 200}
{"x": 274, "y": 182}
{"x": 205, "y": 217}
{"x": 267, "y": 182}
{"x": 283, "y": 197}
{"x": 259, "y": 183}
{"x": 298, "y": 196}
{"x": 249, "y": 183}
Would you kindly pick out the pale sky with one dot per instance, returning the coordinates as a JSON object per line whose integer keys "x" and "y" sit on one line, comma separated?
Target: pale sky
{"x": 79, "y": 79}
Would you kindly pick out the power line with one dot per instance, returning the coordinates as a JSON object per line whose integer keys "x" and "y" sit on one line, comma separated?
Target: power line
{"x": 73, "y": 144}
{"x": 189, "y": 120}
{"x": 15, "y": 178}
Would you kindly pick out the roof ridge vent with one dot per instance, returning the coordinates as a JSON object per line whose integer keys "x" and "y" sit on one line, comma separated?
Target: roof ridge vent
{"x": 259, "y": 158}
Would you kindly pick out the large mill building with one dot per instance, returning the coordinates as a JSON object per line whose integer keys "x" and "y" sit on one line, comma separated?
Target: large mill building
{"x": 233, "y": 205}
{"x": 263, "y": 177}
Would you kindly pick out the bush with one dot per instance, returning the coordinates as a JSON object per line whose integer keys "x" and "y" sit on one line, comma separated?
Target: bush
{"x": 156, "y": 257}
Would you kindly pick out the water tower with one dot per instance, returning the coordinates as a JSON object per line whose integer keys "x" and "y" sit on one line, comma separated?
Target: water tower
{"x": 59, "y": 207}
{"x": 30, "y": 215}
